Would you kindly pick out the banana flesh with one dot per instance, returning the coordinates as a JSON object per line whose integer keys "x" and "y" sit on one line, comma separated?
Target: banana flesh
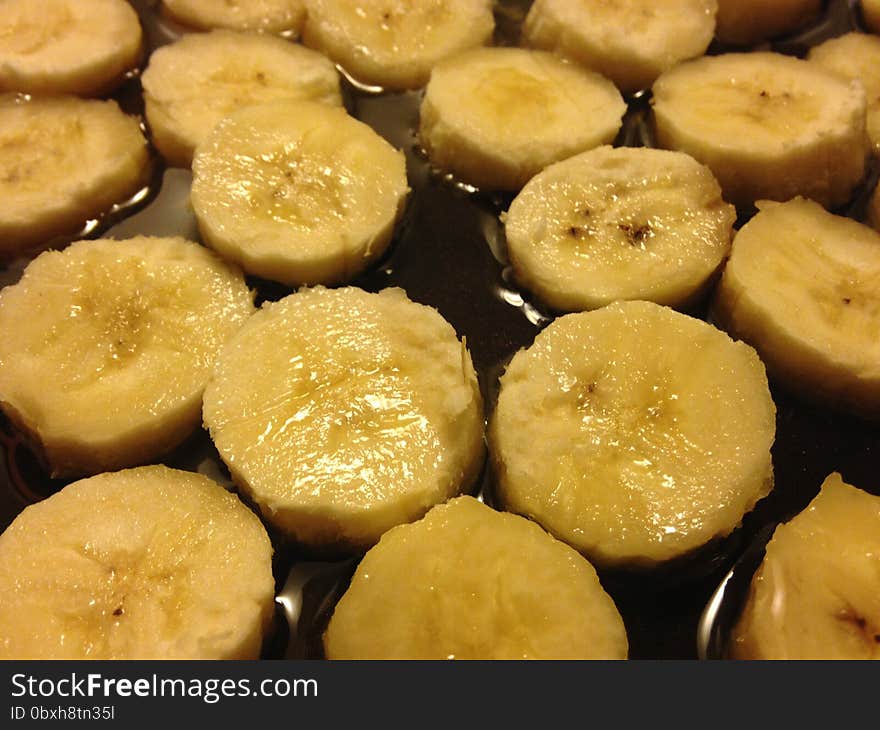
{"x": 268, "y": 16}
{"x": 467, "y": 582}
{"x": 746, "y": 22}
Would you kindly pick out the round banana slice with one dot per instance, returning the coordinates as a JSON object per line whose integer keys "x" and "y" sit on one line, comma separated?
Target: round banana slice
{"x": 148, "y": 563}
{"x": 67, "y": 46}
{"x": 496, "y": 117}
{"x": 298, "y": 192}
{"x": 871, "y": 14}
{"x": 63, "y": 161}
{"x": 107, "y": 347}
{"x": 803, "y": 287}
{"x": 769, "y": 126}
{"x": 268, "y": 16}
{"x": 816, "y": 594}
{"x": 344, "y": 413}
{"x": 396, "y": 44}
{"x": 634, "y": 433}
{"x": 467, "y": 582}
{"x": 627, "y": 223}
{"x": 745, "y": 22}
{"x": 630, "y": 42}
{"x": 856, "y": 56}
{"x": 190, "y": 85}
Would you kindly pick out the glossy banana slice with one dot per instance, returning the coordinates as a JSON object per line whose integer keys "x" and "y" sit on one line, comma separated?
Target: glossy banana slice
{"x": 817, "y": 592}
{"x": 856, "y": 57}
{"x": 627, "y": 223}
{"x": 634, "y": 433}
{"x": 467, "y": 582}
{"x": 190, "y": 85}
{"x": 395, "y": 43}
{"x": 63, "y": 161}
{"x": 803, "y": 287}
{"x": 744, "y": 22}
{"x": 769, "y": 126}
{"x": 630, "y": 42}
{"x": 495, "y": 117}
{"x": 67, "y": 46}
{"x": 298, "y": 192}
{"x": 871, "y": 14}
{"x": 147, "y": 563}
{"x": 344, "y": 413}
{"x": 107, "y": 347}
{"x": 269, "y": 16}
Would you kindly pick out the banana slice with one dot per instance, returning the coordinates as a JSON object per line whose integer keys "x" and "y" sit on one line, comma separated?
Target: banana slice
{"x": 496, "y": 117}
{"x": 344, "y": 413}
{"x": 871, "y": 14}
{"x": 803, "y": 287}
{"x": 630, "y": 42}
{"x": 298, "y": 192}
{"x": 148, "y": 563}
{"x": 856, "y": 56}
{"x": 467, "y": 582}
{"x": 396, "y": 43}
{"x": 107, "y": 347}
{"x": 190, "y": 85}
{"x": 769, "y": 126}
{"x": 63, "y": 161}
{"x": 67, "y": 46}
{"x": 817, "y": 592}
{"x": 745, "y": 22}
{"x": 633, "y": 433}
{"x": 627, "y": 223}
{"x": 268, "y": 16}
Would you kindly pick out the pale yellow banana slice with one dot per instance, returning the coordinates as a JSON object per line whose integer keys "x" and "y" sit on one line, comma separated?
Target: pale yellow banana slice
{"x": 769, "y": 126}
{"x": 744, "y": 22}
{"x": 467, "y": 582}
{"x": 496, "y": 117}
{"x": 871, "y": 14}
{"x": 627, "y": 223}
{"x": 344, "y": 413}
{"x": 190, "y": 85}
{"x": 147, "y": 563}
{"x": 634, "y": 433}
{"x": 63, "y": 161}
{"x": 395, "y": 43}
{"x": 107, "y": 347}
{"x": 630, "y": 42}
{"x": 817, "y": 592}
{"x": 269, "y": 16}
{"x": 856, "y": 57}
{"x": 298, "y": 192}
{"x": 67, "y": 46}
{"x": 803, "y": 287}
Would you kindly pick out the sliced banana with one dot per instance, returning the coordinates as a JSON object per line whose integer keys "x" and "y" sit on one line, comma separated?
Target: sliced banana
{"x": 395, "y": 43}
{"x": 630, "y": 42}
{"x": 268, "y": 16}
{"x": 856, "y": 56}
{"x": 871, "y": 14}
{"x": 817, "y": 592}
{"x": 634, "y": 433}
{"x": 745, "y": 22}
{"x": 496, "y": 117}
{"x": 298, "y": 192}
{"x": 467, "y": 582}
{"x": 803, "y": 287}
{"x": 627, "y": 223}
{"x": 190, "y": 85}
{"x": 344, "y": 413}
{"x": 148, "y": 563}
{"x": 67, "y": 46}
{"x": 107, "y": 347}
{"x": 769, "y": 126}
{"x": 63, "y": 161}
